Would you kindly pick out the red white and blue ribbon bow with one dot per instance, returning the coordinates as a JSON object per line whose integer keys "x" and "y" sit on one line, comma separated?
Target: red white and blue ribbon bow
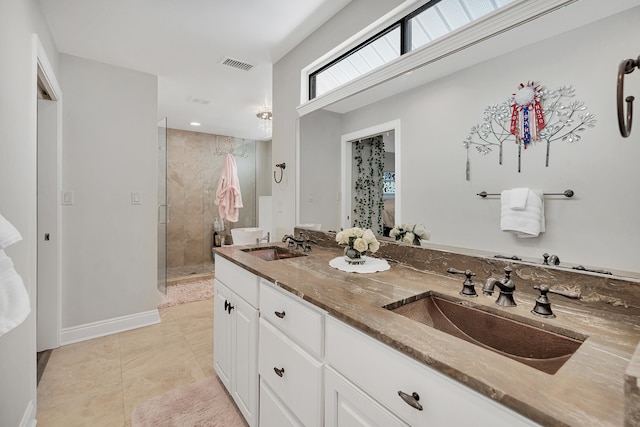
{"x": 525, "y": 104}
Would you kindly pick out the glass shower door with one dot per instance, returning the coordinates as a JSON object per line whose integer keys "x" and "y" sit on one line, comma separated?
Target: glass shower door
{"x": 163, "y": 208}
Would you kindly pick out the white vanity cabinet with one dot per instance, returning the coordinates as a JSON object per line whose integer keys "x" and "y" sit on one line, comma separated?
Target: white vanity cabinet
{"x": 235, "y": 336}
{"x": 373, "y": 375}
{"x": 291, "y": 360}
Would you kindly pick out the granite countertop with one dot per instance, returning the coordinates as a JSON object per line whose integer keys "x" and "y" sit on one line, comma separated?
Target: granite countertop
{"x": 588, "y": 390}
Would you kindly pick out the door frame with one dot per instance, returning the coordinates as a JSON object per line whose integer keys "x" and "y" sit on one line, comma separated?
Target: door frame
{"x": 346, "y": 170}
{"x": 49, "y": 315}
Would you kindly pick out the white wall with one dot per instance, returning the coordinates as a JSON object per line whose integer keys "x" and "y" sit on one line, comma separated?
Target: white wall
{"x": 286, "y": 96}
{"x": 317, "y": 202}
{"x": 264, "y": 167}
{"x": 19, "y": 20}
{"x": 598, "y": 226}
{"x": 109, "y": 151}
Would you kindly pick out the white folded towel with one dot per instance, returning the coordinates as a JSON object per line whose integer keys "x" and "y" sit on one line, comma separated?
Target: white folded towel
{"x": 526, "y": 222}
{"x": 14, "y": 300}
{"x": 518, "y": 198}
{"x": 8, "y": 233}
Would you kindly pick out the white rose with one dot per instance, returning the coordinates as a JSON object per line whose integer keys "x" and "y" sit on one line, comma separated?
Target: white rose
{"x": 340, "y": 238}
{"x": 360, "y": 245}
{"x": 408, "y": 238}
{"x": 421, "y": 231}
{"x": 357, "y": 231}
{"x": 394, "y": 232}
{"x": 368, "y": 236}
{"x": 374, "y": 246}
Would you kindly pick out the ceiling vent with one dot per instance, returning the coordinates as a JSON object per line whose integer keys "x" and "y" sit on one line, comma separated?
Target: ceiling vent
{"x": 234, "y": 63}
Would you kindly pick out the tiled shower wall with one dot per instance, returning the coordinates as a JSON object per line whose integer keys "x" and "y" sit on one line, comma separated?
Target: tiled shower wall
{"x": 194, "y": 164}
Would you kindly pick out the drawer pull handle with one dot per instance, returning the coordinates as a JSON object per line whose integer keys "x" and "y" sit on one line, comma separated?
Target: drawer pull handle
{"x": 280, "y": 314}
{"x": 279, "y": 372}
{"x": 411, "y": 400}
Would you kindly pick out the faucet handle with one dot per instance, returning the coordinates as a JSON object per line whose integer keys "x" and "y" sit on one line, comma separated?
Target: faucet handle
{"x": 467, "y": 273}
{"x": 468, "y": 288}
{"x": 307, "y": 245}
{"x": 507, "y": 272}
{"x": 543, "y": 305}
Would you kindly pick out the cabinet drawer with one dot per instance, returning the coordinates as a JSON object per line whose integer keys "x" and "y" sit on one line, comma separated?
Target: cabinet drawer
{"x": 299, "y": 381}
{"x": 273, "y": 412}
{"x": 242, "y": 282}
{"x": 383, "y": 372}
{"x": 293, "y": 316}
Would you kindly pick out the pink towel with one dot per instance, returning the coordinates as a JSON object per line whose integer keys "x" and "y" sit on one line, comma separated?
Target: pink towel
{"x": 228, "y": 197}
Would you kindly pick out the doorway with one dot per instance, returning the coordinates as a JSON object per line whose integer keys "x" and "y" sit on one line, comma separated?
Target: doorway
{"x": 49, "y": 143}
{"x": 356, "y": 153}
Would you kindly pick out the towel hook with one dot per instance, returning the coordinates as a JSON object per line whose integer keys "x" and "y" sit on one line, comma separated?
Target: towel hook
{"x": 627, "y": 66}
{"x": 282, "y": 166}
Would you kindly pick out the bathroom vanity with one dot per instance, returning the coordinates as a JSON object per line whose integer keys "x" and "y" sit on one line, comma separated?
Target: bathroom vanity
{"x": 299, "y": 343}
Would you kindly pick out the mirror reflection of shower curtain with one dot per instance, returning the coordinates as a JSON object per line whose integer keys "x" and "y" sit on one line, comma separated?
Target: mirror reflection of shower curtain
{"x": 368, "y": 165}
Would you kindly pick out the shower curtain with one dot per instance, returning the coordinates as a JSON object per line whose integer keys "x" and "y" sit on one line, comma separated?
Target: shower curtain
{"x": 368, "y": 185}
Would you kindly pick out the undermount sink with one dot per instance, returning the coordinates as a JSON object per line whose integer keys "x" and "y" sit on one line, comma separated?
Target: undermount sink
{"x": 272, "y": 253}
{"x": 541, "y": 349}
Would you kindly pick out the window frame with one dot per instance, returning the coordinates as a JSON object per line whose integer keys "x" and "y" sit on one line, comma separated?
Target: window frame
{"x": 504, "y": 19}
{"x": 405, "y": 45}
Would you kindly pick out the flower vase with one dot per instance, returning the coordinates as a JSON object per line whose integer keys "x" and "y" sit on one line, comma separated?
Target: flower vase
{"x": 353, "y": 257}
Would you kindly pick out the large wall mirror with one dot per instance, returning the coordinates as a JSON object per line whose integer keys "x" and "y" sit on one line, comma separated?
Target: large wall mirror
{"x": 594, "y": 229}
{"x": 348, "y": 179}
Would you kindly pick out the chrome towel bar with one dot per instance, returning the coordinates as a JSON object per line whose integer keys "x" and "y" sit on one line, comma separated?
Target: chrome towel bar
{"x": 566, "y": 193}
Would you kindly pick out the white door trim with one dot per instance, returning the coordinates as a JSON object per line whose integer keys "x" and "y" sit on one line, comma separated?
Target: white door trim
{"x": 50, "y": 317}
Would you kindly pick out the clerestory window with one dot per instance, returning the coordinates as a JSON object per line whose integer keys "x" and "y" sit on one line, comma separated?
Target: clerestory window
{"x": 429, "y": 22}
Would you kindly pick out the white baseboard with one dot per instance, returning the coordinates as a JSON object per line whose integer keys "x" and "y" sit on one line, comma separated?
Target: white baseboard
{"x": 29, "y": 417}
{"x": 108, "y": 327}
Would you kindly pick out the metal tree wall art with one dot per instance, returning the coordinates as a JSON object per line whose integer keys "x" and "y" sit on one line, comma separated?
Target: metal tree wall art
{"x": 530, "y": 115}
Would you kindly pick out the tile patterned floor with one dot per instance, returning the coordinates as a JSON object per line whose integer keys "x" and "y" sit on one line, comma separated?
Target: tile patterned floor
{"x": 187, "y": 270}
{"x": 99, "y": 382}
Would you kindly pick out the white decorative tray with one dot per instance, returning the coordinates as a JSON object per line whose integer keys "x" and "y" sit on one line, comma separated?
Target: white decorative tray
{"x": 371, "y": 265}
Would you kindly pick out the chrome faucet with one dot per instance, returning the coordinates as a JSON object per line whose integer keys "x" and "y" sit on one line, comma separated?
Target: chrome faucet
{"x": 266, "y": 238}
{"x": 506, "y": 287}
{"x": 307, "y": 242}
{"x": 293, "y": 241}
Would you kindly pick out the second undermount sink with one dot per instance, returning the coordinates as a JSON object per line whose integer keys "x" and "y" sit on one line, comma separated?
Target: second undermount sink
{"x": 541, "y": 349}
{"x": 272, "y": 253}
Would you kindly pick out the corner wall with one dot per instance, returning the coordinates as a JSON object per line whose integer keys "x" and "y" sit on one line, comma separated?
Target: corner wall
{"x": 19, "y": 20}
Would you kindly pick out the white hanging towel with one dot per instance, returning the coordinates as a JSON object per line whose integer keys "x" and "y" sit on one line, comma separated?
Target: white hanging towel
{"x": 8, "y": 233}
{"x": 228, "y": 197}
{"x": 525, "y": 221}
{"x": 14, "y": 300}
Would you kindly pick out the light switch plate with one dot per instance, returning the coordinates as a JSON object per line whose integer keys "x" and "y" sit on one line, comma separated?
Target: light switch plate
{"x": 136, "y": 199}
{"x": 67, "y": 197}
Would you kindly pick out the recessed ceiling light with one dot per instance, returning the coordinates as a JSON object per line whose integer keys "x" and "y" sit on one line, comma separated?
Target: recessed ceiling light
{"x": 195, "y": 124}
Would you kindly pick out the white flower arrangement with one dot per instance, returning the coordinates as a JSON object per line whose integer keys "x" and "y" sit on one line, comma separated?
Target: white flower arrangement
{"x": 410, "y": 233}
{"x": 359, "y": 239}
